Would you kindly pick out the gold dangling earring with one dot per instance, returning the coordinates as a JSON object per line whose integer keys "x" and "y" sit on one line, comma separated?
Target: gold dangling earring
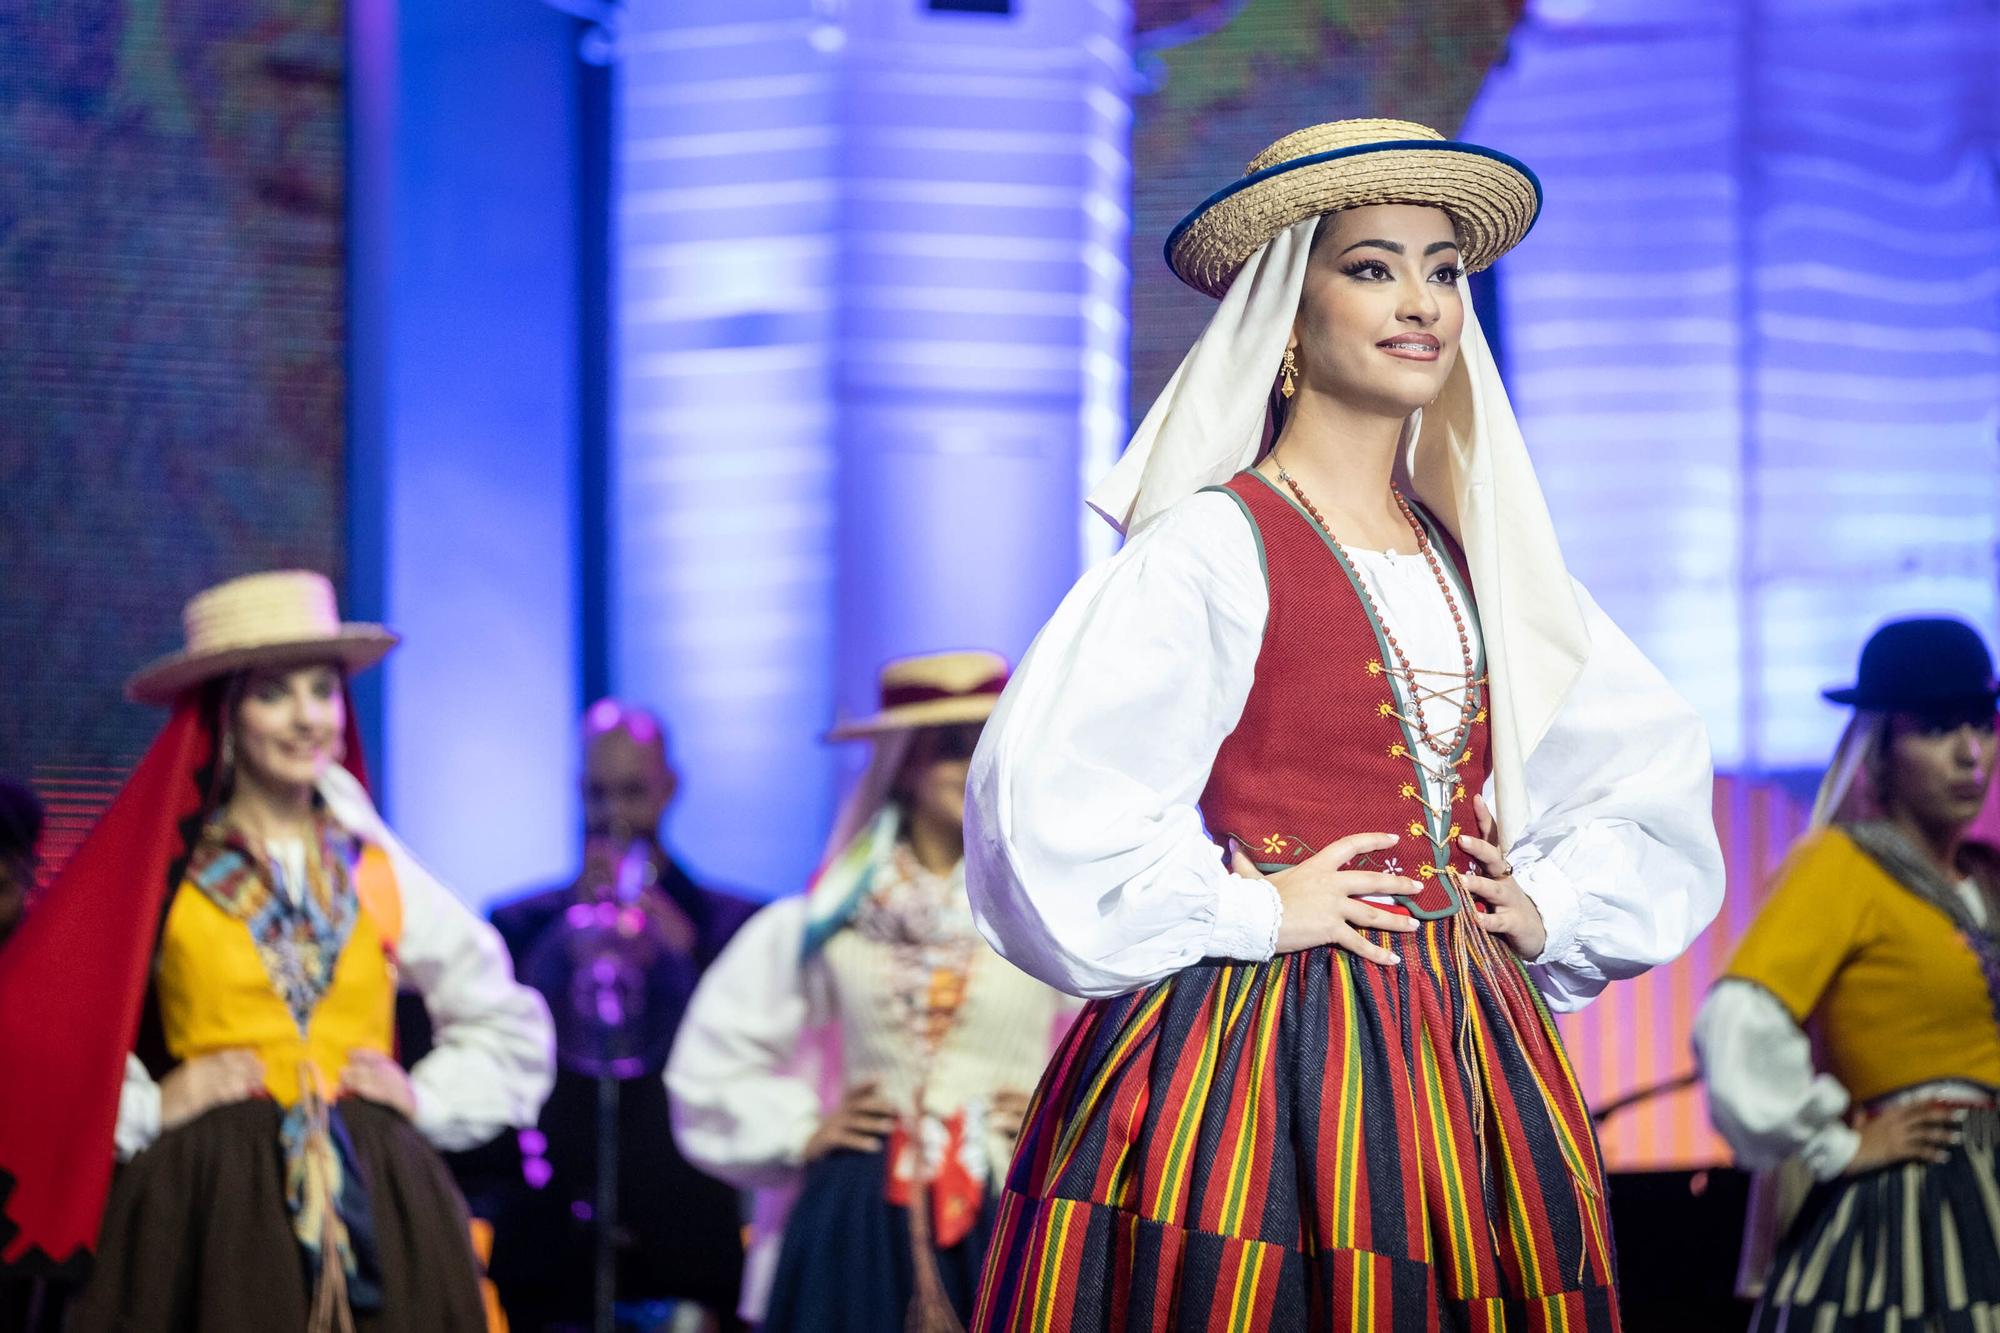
{"x": 1288, "y": 385}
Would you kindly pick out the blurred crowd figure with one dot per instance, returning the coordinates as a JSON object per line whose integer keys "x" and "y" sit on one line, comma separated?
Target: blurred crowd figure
{"x": 859, "y": 1055}
{"x": 1852, "y": 1047}
{"x": 206, "y": 1124}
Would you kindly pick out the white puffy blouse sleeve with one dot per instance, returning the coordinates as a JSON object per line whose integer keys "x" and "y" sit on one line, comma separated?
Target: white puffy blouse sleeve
{"x": 1086, "y": 857}
{"x": 740, "y": 1080}
{"x": 492, "y": 1059}
{"x": 1619, "y": 851}
{"x": 1764, "y": 1095}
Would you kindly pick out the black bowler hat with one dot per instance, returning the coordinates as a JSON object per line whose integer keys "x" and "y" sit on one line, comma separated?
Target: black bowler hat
{"x": 1922, "y": 665}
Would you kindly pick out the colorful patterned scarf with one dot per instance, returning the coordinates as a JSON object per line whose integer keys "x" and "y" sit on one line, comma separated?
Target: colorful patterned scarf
{"x": 843, "y": 883}
{"x": 298, "y": 934}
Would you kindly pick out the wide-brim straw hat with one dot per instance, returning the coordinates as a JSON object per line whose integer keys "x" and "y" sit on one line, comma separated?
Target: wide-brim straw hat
{"x": 1492, "y": 198}
{"x": 285, "y": 618}
{"x": 934, "y": 690}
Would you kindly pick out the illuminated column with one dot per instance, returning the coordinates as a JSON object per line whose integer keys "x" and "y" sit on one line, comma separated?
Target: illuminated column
{"x": 722, "y": 457}
{"x": 871, "y": 272}
{"x": 985, "y": 187}
{"x": 1742, "y": 385}
{"x": 463, "y": 490}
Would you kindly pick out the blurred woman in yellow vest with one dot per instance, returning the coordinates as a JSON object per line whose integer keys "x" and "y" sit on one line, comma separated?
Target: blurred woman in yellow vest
{"x": 1853, "y": 1044}
{"x": 280, "y": 1170}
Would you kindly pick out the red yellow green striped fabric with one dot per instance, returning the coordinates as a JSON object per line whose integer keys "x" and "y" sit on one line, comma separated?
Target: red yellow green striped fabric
{"x": 1313, "y": 1143}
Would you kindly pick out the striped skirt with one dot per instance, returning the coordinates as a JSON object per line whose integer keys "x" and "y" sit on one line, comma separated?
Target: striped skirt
{"x": 1912, "y": 1247}
{"x": 1316, "y": 1142}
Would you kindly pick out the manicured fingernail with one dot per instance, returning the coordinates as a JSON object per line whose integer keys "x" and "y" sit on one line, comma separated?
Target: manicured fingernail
{"x": 1395, "y": 959}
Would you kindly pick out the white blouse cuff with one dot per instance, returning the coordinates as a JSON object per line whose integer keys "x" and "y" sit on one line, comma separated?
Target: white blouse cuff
{"x": 138, "y": 1111}
{"x": 1556, "y": 896}
{"x": 1247, "y": 913}
{"x": 799, "y": 1136}
{"x": 426, "y": 1114}
{"x": 1829, "y": 1150}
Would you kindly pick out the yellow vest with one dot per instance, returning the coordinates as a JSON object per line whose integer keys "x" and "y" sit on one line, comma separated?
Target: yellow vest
{"x": 216, "y": 995}
{"x": 1895, "y": 989}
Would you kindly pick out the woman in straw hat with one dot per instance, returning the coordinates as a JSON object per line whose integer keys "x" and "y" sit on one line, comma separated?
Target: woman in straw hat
{"x": 282, "y": 1172}
{"x": 1882, "y": 939}
{"x": 843, "y": 1027}
{"x": 1318, "y": 1085}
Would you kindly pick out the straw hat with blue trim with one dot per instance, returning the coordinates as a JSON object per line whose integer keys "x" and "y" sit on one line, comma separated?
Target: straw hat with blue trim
{"x": 1492, "y": 198}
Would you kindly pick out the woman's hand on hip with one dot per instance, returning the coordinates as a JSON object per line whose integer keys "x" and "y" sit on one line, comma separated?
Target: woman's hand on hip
{"x": 1514, "y": 917}
{"x": 208, "y": 1081}
{"x": 1922, "y": 1131}
{"x": 861, "y": 1123}
{"x": 375, "y": 1077}
{"x": 1010, "y": 1112}
{"x": 1322, "y": 901}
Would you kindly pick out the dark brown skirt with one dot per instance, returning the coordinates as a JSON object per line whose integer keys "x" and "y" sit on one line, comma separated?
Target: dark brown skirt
{"x": 196, "y": 1238}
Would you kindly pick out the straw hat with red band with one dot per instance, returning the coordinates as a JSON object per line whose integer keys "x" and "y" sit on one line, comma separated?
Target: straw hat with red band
{"x": 285, "y": 618}
{"x": 934, "y": 690}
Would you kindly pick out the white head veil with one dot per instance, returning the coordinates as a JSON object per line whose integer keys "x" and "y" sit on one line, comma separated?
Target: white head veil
{"x": 871, "y": 793}
{"x": 1847, "y": 789}
{"x": 1466, "y": 462}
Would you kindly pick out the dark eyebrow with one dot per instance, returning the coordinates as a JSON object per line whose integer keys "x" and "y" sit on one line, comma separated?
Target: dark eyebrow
{"x": 1396, "y": 247}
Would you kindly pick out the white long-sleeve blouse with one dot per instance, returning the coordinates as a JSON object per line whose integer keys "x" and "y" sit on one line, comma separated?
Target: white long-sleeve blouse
{"x": 1087, "y": 859}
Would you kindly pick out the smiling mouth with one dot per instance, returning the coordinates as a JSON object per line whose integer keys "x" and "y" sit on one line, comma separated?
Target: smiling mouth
{"x": 1421, "y": 347}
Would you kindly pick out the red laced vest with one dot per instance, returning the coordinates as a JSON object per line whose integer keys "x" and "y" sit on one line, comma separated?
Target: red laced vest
{"x": 1322, "y": 750}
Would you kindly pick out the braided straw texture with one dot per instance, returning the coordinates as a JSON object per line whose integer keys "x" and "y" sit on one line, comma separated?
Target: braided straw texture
{"x": 286, "y": 616}
{"x": 1492, "y": 203}
{"x": 280, "y": 607}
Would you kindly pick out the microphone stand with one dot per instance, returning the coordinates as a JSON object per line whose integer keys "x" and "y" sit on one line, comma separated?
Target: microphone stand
{"x": 635, "y": 871}
{"x": 605, "y": 1283}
